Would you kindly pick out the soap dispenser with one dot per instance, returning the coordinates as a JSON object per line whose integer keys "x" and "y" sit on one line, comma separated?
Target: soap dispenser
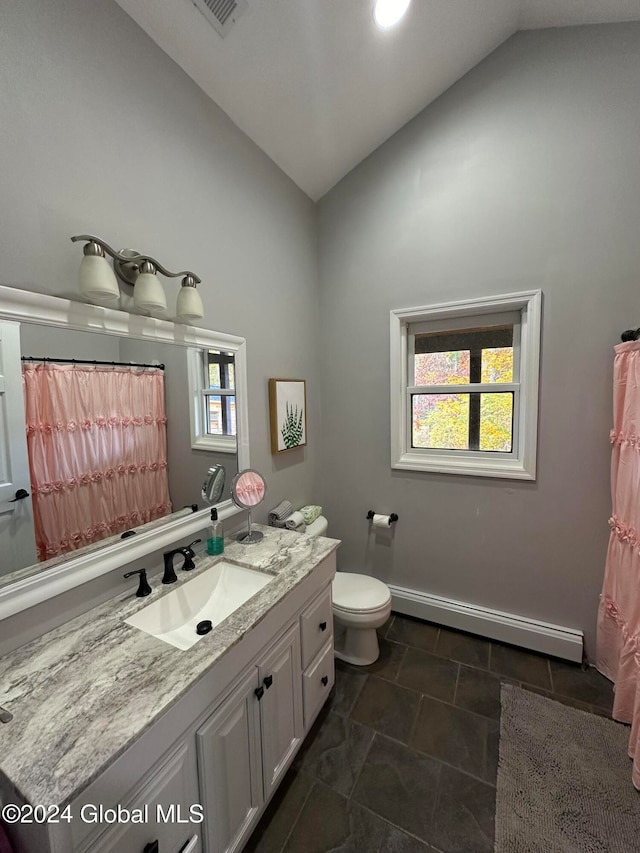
{"x": 215, "y": 536}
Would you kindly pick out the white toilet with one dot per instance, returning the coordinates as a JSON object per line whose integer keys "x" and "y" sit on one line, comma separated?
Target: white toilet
{"x": 360, "y": 605}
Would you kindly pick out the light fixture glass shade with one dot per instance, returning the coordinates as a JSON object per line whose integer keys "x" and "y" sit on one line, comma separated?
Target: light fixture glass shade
{"x": 189, "y": 307}
{"x": 148, "y": 294}
{"x": 97, "y": 280}
{"x": 388, "y": 12}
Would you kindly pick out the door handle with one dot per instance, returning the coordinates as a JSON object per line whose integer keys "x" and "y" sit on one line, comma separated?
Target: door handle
{"x": 325, "y": 680}
{"x": 21, "y": 494}
{"x": 259, "y": 691}
{"x": 268, "y": 681}
{"x": 323, "y": 626}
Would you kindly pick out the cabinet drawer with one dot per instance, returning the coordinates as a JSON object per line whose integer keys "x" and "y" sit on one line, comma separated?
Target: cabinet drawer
{"x": 316, "y": 626}
{"x": 317, "y": 682}
{"x": 163, "y": 812}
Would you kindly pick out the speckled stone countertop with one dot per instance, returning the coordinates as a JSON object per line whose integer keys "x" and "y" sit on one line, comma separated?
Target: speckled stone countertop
{"x": 79, "y": 695}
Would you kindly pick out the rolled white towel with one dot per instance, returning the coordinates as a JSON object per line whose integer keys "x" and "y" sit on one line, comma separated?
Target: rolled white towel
{"x": 278, "y": 514}
{"x": 295, "y": 520}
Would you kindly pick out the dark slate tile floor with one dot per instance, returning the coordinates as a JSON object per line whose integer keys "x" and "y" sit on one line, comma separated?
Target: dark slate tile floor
{"x": 404, "y": 756}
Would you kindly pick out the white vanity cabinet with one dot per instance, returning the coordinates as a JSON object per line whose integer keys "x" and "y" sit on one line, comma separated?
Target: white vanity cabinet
{"x": 207, "y": 767}
{"x": 249, "y": 741}
{"x": 245, "y": 746}
{"x": 316, "y": 629}
{"x": 163, "y": 802}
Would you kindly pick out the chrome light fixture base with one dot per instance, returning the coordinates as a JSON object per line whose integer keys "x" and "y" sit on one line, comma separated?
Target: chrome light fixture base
{"x": 127, "y": 271}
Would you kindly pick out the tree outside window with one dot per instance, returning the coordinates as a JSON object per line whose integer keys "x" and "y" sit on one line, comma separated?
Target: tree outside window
{"x": 463, "y": 421}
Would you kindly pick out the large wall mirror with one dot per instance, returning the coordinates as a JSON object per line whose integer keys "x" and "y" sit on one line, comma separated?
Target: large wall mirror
{"x": 109, "y": 423}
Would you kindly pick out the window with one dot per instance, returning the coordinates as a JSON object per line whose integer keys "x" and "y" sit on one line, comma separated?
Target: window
{"x": 213, "y": 392}
{"x": 464, "y": 386}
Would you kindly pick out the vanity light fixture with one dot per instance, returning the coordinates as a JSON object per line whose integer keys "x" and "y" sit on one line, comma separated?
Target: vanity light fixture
{"x": 99, "y": 284}
{"x": 388, "y": 12}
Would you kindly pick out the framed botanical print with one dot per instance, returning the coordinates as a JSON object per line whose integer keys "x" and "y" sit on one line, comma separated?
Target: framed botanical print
{"x": 287, "y": 414}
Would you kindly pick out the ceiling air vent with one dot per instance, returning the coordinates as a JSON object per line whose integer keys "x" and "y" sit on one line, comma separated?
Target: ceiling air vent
{"x": 221, "y": 14}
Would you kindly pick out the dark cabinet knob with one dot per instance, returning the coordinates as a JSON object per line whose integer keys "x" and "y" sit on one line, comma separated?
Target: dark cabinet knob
{"x": 325, "y": 680}
{"x": 152, "y": 847}
{"x": 323, "y": 626}
{"x": 268, "y": 681}
{"x": 259, "y": 691}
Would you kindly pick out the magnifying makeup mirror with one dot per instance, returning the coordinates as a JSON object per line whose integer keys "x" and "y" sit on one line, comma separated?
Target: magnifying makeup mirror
{"x": 213, "y": 486}
{"x": 248, "y": 489}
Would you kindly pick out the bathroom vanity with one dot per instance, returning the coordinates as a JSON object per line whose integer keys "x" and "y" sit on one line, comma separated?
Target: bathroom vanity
{"x": 126, "y": 743}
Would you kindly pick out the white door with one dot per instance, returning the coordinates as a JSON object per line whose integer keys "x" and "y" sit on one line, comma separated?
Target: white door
{"x": 17, "y": 539}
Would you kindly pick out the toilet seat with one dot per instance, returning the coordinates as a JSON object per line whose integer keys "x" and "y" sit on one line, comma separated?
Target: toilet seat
{"x": 356, "y": 593}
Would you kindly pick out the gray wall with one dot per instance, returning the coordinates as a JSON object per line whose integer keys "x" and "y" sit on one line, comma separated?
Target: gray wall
{"x": 49, "y": 342}
{"x": 523, "y": 175}
{"x": 101, "y": 132}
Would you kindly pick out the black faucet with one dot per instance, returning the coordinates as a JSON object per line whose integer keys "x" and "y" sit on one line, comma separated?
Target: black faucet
{"x": 187, "y": 552}
{"x": 143, "y": 587}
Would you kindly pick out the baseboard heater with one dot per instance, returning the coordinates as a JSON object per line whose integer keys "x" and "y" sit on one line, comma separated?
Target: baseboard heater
{"x": 544, "y": 637}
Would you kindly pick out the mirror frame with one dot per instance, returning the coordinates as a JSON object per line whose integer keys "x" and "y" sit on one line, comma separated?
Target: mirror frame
{"x": 32, "y": 586}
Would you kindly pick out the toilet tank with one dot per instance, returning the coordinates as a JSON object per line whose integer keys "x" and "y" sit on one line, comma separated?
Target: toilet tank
{"x": 319, "y": 527}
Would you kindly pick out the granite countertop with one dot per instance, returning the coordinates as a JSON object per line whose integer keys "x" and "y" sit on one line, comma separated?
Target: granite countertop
{"x": 84, "y": 692}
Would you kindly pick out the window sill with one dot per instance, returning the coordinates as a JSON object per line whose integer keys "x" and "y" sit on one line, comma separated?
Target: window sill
{"x": 511, "y": 469}
{"x": 215, "y": 444}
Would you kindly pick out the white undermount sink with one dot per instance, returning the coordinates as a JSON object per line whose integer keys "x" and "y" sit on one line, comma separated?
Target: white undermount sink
{"x": 214, "y": 594}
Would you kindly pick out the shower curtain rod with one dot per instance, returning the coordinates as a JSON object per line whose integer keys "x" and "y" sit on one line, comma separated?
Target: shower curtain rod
{"x": 89, "y": 361}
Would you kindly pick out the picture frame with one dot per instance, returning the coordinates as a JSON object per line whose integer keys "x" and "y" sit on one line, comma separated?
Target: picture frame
{"x": 287, "y": 414}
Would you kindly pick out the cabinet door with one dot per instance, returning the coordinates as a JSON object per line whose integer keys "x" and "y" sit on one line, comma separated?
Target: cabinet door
{"x": 316, "y": 626}
{"x": 163, "y": 811}
{"x": 230, "y": 768}
{"x": 317, "y": 682}
{"x": 281, "y": 707}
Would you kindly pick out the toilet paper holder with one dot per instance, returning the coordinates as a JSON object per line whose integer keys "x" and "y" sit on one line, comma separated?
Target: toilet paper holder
{"x": 392, "y": 518}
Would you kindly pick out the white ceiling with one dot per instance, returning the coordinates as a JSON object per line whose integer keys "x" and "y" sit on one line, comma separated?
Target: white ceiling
{"x": 317, "y": 86}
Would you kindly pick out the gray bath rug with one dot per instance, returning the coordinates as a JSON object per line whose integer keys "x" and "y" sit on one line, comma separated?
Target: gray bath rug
{"x": 564, "y": 780}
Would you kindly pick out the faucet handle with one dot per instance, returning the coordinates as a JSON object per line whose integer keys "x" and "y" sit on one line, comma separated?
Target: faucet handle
{"x": 143, "y": 587}
{"x": 189, "y": 554}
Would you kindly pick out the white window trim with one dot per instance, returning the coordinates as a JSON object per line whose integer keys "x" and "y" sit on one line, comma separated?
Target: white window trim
{"x": 199, "y": 438}
{"x": 521, "y": 464}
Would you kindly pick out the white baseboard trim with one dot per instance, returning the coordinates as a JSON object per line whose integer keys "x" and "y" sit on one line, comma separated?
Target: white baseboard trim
{"x": 531, "y": 634}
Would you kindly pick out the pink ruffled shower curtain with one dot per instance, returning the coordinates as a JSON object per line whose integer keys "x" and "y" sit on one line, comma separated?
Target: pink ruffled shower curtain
{"x": 618, "y": 646}
{"x": 97, "y": 452}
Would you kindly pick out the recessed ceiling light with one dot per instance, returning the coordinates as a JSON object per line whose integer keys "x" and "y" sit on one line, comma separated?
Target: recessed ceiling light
{"x": 388, "y": 12}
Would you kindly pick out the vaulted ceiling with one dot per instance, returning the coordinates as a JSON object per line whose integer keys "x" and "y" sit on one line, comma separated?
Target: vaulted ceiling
{"x": 317, "y": 86}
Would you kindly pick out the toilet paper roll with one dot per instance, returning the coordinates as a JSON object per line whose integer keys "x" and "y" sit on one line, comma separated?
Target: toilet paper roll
{"x": 381, "y": 521}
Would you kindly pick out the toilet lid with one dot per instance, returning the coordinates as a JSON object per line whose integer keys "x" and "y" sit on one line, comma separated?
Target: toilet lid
{"x": 359, "y": 592}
